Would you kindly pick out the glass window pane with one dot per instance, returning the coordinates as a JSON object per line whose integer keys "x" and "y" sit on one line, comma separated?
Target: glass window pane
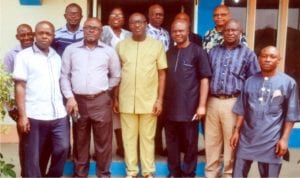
{"x": 292, "y": 58}
{"x": 266, "y": 23}
{"x": 238, "y": 9}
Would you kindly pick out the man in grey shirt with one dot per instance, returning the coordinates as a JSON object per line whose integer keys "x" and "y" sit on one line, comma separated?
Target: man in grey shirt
{"x": 89, "y": 69}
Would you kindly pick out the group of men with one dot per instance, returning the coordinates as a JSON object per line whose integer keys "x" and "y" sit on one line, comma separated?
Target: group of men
{"x": 113, "y": 78}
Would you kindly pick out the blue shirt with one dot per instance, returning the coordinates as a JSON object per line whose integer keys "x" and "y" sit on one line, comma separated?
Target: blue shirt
{"x": 186, "y": 67}
{"x": 9, "y": 59}
{"x": 266, "y": 103}
{"x": 231, "y": 67}
{"x": 63, "y": 38}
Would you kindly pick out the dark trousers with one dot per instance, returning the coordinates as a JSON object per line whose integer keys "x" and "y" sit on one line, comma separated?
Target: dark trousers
{"x": 241, "y": 168}
{"x": 158, "y": 135}
{"x": 33, "y": 143}
{"x": 189, "y": 132}
{"x": 95, "y": 114}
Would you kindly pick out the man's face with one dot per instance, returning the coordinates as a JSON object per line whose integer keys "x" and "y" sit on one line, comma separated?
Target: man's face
{"x": 137, "y": 25}
{"x": 221, "y": 16}
{"x": 180, "y": 32}
{"x": 44, "y": 35}
{"x": 156, "y": 16}
{"x": 116, "y": 18}
{"x": 25, "y": 36}
{"x": 92, "y": 29}
{"x": 73, "y": 16}
{"x": 232, "y": 33}
{"x": 269, "y": 59}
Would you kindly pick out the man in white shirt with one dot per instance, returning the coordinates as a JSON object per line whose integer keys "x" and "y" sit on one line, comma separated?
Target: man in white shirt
{"x": 42, "y": 115}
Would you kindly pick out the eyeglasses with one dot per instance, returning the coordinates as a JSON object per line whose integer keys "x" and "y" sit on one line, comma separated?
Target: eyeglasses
{"x": 221, "y": 14}
{"x": 138, "y": 22}
{"x": 116, "y": 15}
{"x": 88, "y": 28}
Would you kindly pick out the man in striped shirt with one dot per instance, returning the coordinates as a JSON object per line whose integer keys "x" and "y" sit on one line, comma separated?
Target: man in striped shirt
{"x": 232, "y": 63}
{"x": 70, "y": 33}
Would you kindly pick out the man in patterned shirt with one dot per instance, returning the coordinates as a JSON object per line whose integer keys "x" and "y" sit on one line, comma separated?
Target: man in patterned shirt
{"x": 154, "y": 29}
{"x": 232, "y": 63}
{"x": 214, "y": 36}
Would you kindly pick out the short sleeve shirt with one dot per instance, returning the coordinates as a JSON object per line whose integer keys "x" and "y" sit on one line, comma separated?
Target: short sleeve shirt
{"x": 266, "y": 103}
{"x": 186, "y": 67}
{"x": 43, "y": 99}
{"x": 140, "y": 63}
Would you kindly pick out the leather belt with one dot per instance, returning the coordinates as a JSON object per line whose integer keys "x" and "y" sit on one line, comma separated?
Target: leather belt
{"x": 91, "y": 96}
{"x": 223, "y": 96}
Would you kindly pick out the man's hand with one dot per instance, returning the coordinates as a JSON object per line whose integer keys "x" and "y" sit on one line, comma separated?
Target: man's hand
{"x": 116, "y": 105}
{"x": 72, "y": 107}
{"x": 234, "y": 139}
{"x": 200, "y": 113}
{"x": 23, "y": 125}
{"x": 281, "y": 148}
{"x": 157, "y": 108}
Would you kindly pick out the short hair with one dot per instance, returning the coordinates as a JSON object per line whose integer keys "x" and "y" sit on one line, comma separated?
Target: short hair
{"x": 45, "y": 22}
{"x": 154, "y": 6}
{"x": 23, "y": 25}
{"x": 222, "y": 6}
{"x": 73, "y": 5}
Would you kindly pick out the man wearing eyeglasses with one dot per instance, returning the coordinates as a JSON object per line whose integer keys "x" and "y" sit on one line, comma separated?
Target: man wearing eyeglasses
{"x": 70, "y": 33}
{"x": 90, "y": 69}
{"x": 140, "y": 95}
{"x": 214, "y": 37}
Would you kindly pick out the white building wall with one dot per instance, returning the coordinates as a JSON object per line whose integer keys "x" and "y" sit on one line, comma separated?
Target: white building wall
{"x": 12, "y": 13}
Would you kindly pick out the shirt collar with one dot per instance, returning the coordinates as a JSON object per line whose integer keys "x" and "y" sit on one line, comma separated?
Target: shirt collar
{"x": 153, "y": 28}
{"x": 17, "y": 48}
{"x": 35, "y": 49}
{"x": 65, "y": 29}
{"x": 82, "y": 45}
{"x": 237, "y": 46}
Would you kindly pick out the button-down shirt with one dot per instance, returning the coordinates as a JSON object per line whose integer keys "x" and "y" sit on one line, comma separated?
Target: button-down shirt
{"x": 9, "y": 59}
{"x": 89, "y": 71}
{"x": 140, "y": 64}
{"x": 63, "y": 38}
{"x": 108, "y": 36}
{"x": 159, "y": 34}
{"x": 43, "y": 99}
{"x": 231, "y": 67}
{"x": 213, "y": 38}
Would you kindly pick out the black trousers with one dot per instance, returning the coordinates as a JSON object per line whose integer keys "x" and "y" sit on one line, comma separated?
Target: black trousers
{"x": 189, "y": 132}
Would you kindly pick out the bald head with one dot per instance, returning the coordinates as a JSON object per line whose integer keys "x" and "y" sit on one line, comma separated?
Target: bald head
{"x": 180, "y": 33}
{"x": 156, "y": 15}
{"x": 182, "y": 16}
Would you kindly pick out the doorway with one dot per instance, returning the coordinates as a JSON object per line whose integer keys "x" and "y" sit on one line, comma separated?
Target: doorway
{"x": 171, "y": 8}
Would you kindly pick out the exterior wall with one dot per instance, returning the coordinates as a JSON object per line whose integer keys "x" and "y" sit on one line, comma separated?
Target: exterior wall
{"x": 12, "y": 13}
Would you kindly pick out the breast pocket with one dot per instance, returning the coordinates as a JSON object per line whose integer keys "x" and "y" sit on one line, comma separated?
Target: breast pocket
{"x": 275, "y": 106}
